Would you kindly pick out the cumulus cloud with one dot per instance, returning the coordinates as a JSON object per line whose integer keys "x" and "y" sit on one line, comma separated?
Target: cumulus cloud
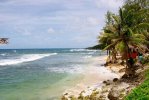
{"x": 76, "y": 20}
{"x": 27, "y": 2}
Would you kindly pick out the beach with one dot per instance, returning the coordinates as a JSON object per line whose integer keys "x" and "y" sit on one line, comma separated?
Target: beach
{"x": 41, "y": 74}
{"x": 106, "y": 83}
{"x": 94, "y": 78}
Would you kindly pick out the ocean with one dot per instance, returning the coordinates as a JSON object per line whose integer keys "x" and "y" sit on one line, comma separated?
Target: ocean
{"x": 42, "y": 74}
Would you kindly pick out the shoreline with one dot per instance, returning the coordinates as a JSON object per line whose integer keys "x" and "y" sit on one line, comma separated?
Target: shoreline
{"x": 107, "y": 89}
{"x": 94, "y": 79}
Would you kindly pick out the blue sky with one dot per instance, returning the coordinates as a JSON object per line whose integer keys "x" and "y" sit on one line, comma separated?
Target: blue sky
{"x": 53, "y": 23}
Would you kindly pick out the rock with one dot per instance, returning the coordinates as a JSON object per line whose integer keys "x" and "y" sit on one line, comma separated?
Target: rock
{"x": 66, "y": 94}
{"x": 80, "y": 96}
{"x": 72, "y": 97}
{"x": 82, "y": 91}
{"x": 63, "y": 98}
{"x": 108, "y": 82}
{"x": 118, "y": 91}
{"x": 86, "y": 97}
{"x": 93, "y": 96}
{"x": 113, "y": 94}
{"x": 122, "y": 62}
{"x": 115, "y": 79}
{"x": 104, "y": 82}
{"x": 102, "y": 97}
{"x": 106, "y": 64}
{"x": 104, "y": 89}
{"x": 122, "y": 70}
{"x": 125, "y": 76}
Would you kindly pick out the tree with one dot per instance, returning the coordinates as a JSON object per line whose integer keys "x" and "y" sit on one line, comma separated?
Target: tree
{"x": 139, "y": 10}
{"x": 123, "y": 33}
{"x": 107, "y": 35}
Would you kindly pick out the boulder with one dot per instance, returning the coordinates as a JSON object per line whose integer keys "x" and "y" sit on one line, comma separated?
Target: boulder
{"x": 108, "y": 82}
{"x": 113, "y": 94}
{"x": 118, "y": 91}
{"x": 115, "y": 80}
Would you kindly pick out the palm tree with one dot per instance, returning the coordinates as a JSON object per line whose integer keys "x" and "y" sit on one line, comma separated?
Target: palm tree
{"x": 127, "y": 29}
{"x": 138, "y": 14}
{"x": 122, "y": 34}
{"x": 106, "y": 37}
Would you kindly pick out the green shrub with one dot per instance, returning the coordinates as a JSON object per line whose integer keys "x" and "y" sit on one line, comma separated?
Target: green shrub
{"x": 141, "y": 92}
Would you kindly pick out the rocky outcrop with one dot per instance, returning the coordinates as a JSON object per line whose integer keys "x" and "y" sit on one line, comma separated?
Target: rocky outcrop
{"x": 110, "y": 90}
{"x": 118, "y": 92}
{"x": 115, "y": 89}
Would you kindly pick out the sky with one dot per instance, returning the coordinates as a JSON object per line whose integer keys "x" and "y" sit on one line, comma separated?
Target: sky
{"x": 53, "y": 23}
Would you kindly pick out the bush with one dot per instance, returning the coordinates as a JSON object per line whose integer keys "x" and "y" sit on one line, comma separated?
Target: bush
{"x": 146, "y": 59}
{"x": 141, "y": 92}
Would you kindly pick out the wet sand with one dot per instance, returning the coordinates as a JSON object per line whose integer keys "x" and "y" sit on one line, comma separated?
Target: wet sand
{"x": 94, "y": 76}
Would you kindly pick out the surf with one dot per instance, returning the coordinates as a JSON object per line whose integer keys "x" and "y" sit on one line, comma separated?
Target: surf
{"x": 24, "y": 58}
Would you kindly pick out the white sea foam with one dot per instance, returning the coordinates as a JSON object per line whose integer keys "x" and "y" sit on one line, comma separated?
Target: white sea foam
{"x": 94, "y": 66}
{"x": 73, "y": 50}
{"x": 24, "y": 58}
{"x": 3, "y": 54}
{"x": 86, "y": 57}
{"x": 73, "y": 69}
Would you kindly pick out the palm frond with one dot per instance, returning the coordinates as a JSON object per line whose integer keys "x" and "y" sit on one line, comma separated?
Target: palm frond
{"x": 142, "y": 26}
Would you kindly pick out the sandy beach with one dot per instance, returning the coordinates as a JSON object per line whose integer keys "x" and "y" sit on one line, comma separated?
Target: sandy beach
{"x": 95, "y": 74}
{"x": 103, "y": 82}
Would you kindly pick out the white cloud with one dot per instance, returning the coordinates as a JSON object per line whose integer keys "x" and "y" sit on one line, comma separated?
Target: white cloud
{"x": 77, "y": 20}
{"x": 27, "y": 2}
{"x": 51, "y": 30}
{"x": 111, "y": 4}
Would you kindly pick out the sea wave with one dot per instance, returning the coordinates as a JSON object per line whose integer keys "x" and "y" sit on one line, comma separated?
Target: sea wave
{"x": 86, "y": 57}
{"x": 73, "y": 69}
{"x": 81, "y": 50}
{"x": 24, "y": 58}
{"x": 3, "y": 54}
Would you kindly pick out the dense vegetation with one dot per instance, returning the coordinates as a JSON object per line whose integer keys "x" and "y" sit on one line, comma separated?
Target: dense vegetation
{"x": 124, "y": 33}
{"x": 97, "y": 47}
{"x": 126, "y": 30}
{"x": 142, "y": 91}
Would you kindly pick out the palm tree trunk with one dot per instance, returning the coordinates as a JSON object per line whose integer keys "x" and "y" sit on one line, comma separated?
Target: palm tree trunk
{"x": 129, "y": 68}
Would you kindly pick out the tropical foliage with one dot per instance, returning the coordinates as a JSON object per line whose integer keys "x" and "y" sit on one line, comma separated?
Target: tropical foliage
{"x": 129, "y": 28}
{"x": 142, "y": 91}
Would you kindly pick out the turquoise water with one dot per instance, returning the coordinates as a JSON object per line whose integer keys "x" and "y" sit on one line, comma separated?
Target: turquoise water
{"x": 40, "y": 74}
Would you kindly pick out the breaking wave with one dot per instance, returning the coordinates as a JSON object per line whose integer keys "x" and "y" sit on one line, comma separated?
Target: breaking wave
{"x": 73, "y": 69}
{"x": 81, "y": 50}
{"x": 24, "y": 58}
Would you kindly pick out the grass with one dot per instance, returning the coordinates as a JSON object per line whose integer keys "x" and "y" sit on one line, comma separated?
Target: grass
{"x": 142, "y": 91}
